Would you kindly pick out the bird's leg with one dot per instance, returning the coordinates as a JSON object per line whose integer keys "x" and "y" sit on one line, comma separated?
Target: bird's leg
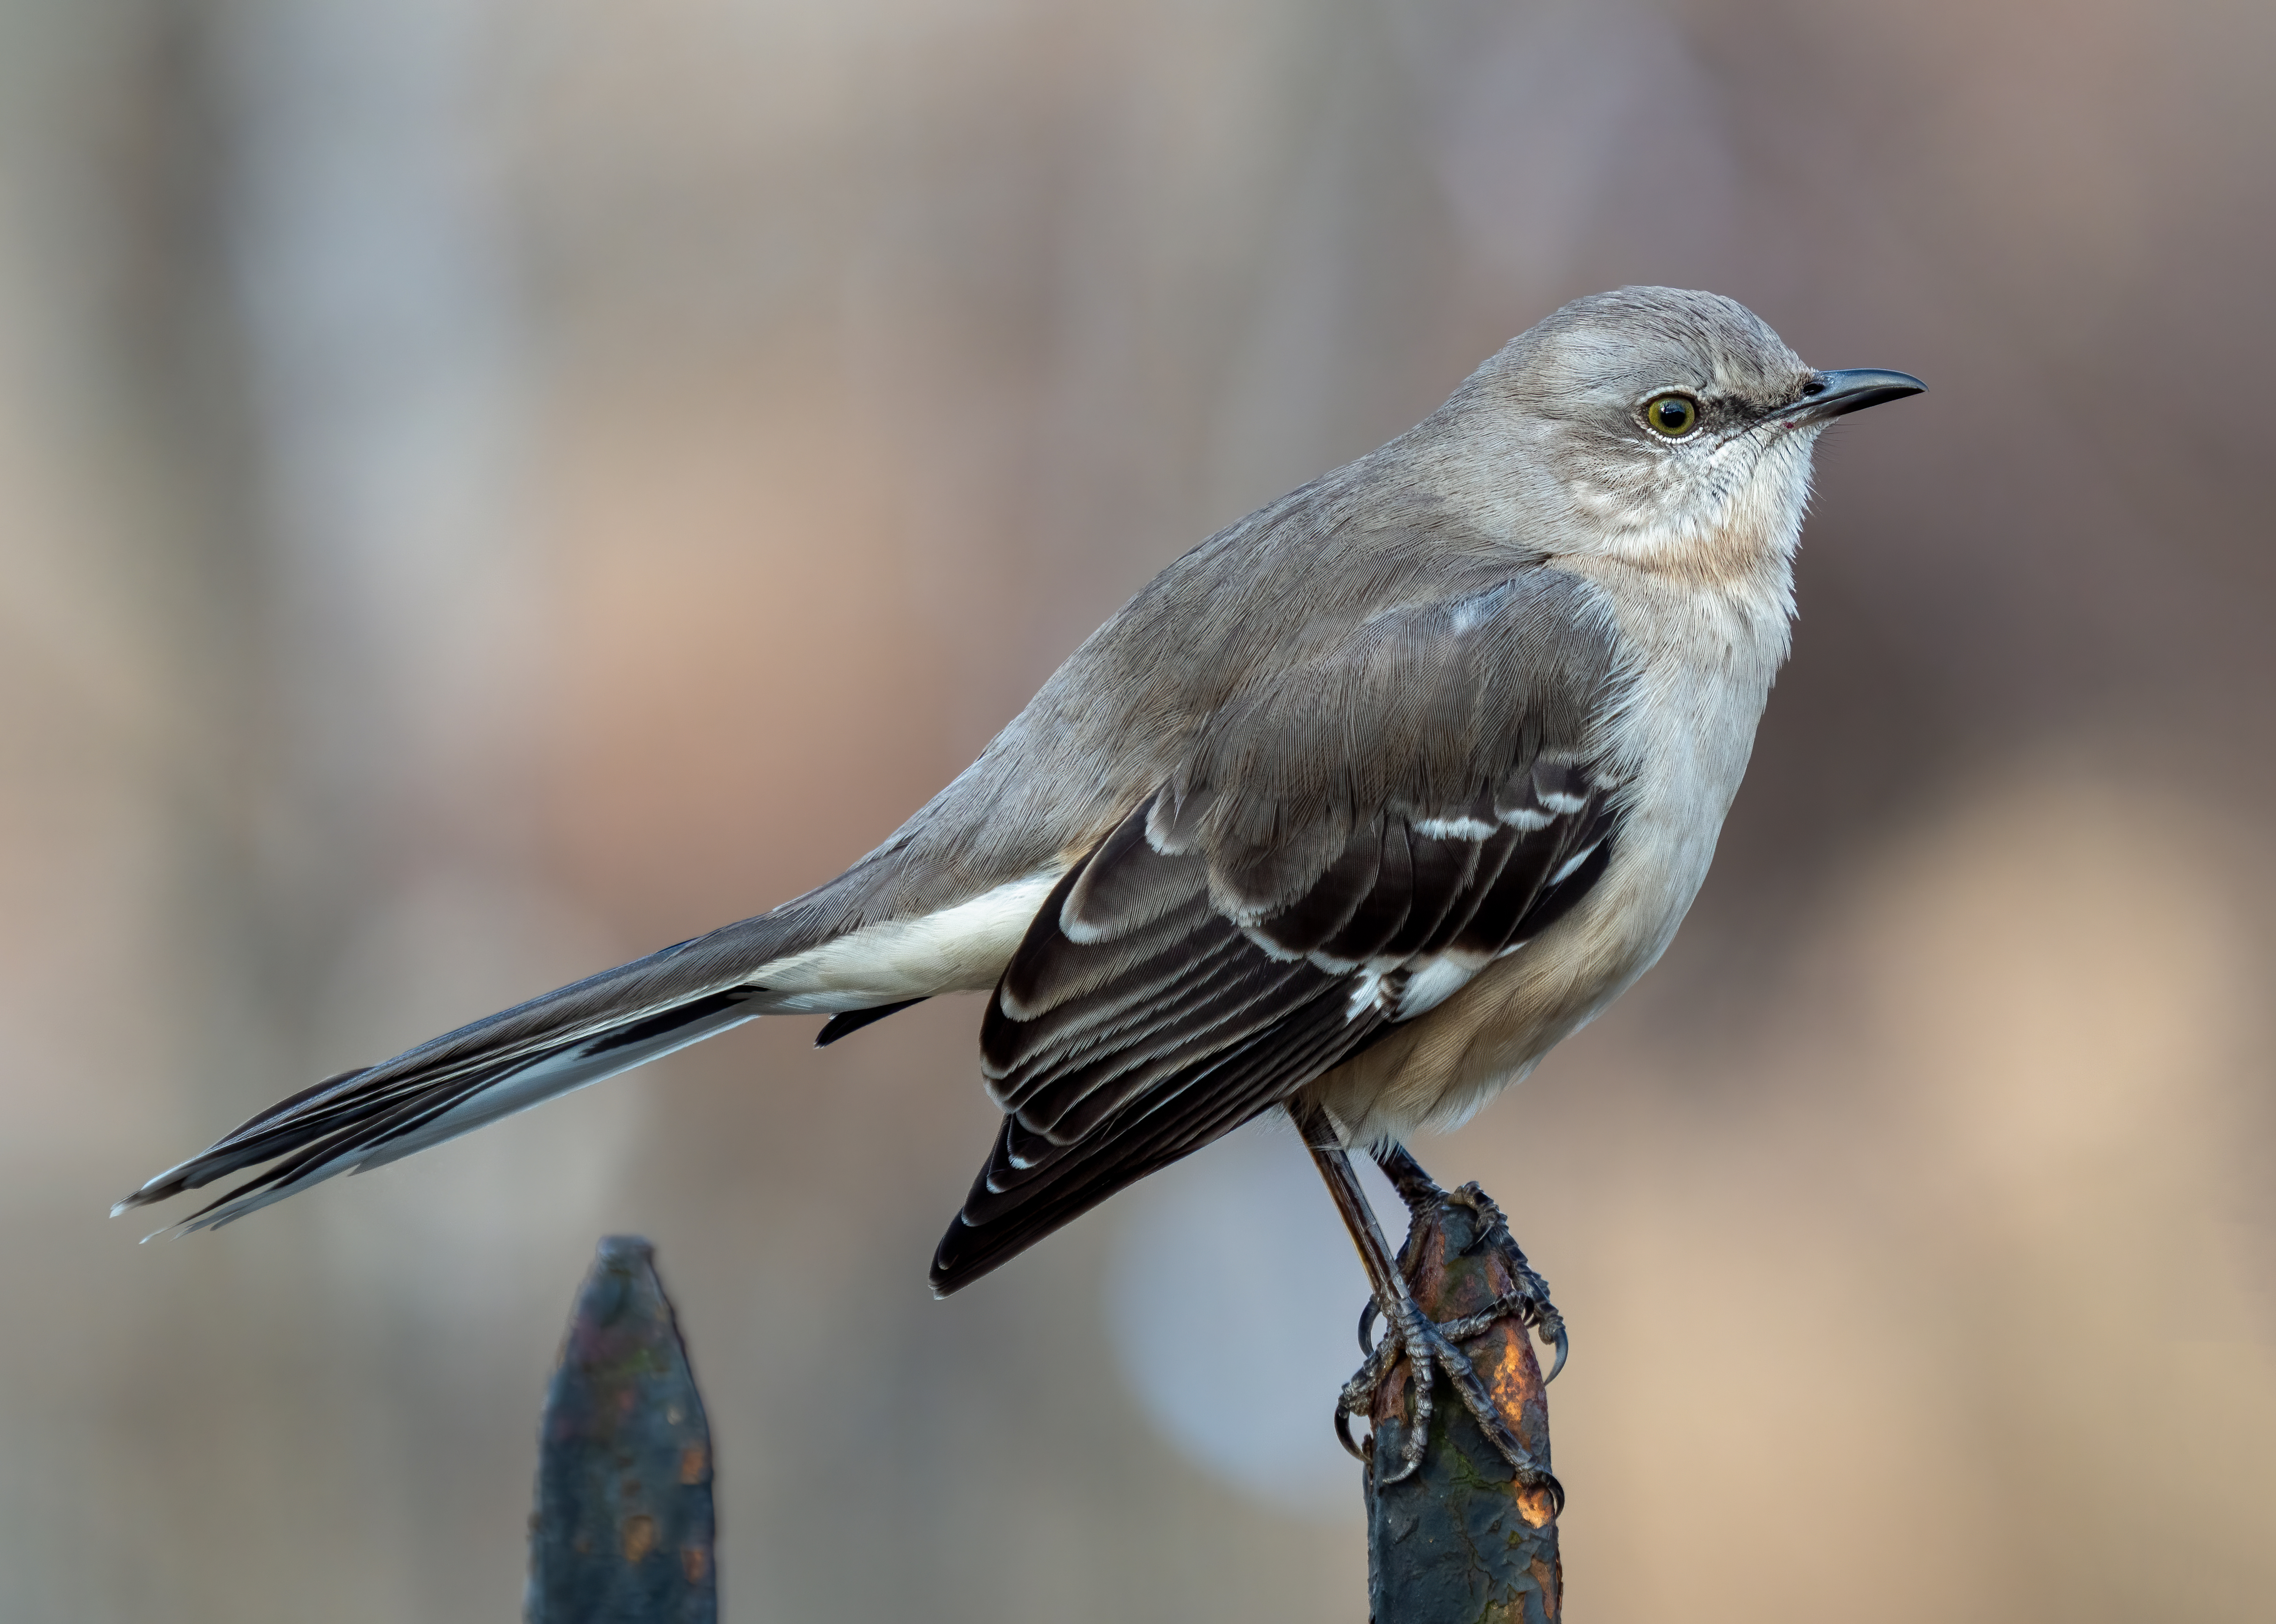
{"x": 1529, "y": 1301}
{"x": 1428, "y": 1349}
{"x": 1415, "y": 1188}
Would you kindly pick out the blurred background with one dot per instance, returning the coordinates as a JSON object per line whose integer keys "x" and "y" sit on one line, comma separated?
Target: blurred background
{"x": 492, "y": 486}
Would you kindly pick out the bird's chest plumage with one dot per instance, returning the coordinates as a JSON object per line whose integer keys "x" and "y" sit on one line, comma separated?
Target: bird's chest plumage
{"x": 1705, "y": 663}
{"x": 1704, "y": 658}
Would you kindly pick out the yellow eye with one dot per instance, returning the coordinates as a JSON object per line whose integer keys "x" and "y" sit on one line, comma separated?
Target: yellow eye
{"x": 1672, "y": 415}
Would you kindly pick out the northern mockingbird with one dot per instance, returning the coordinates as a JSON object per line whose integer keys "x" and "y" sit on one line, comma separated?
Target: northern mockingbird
{"x": 1358, "y": 808}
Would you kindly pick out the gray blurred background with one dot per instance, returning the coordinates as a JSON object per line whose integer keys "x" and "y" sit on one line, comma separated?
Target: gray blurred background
{"x": 492, "y": 486}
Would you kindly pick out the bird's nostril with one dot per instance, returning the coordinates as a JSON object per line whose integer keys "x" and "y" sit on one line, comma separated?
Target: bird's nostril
{"x": 1815, "y": 386}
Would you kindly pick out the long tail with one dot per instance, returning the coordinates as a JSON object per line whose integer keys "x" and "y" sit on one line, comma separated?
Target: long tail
{"x": 567, "y": 1039}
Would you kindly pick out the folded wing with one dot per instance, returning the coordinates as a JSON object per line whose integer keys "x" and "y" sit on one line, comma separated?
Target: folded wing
{"x": 1222, "y": 947}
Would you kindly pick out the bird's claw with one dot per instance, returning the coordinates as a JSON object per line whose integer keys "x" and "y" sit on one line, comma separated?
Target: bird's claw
{"x": 1564, "y": 1346}
{"x": 1431, "y": 1349}
{"x": 1528, "y": 1299}
{"x": 1532, "y": 1305}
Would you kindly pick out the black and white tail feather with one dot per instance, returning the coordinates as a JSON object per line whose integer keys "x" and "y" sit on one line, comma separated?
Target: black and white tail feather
{"x": 567, "y": 1039}
{"x": 369, "y": 1117}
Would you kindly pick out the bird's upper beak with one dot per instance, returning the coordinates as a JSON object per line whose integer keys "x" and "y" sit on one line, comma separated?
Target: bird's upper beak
{"x": 1829, "y": 395}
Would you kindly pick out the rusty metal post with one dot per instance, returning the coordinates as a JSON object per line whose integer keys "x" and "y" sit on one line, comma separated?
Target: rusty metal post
{"x": 1459, "y": 1541}
{"x": 623, "y": 1530}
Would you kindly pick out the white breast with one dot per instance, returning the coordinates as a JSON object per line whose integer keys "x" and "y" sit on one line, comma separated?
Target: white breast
{"x": 1707, "y": 660}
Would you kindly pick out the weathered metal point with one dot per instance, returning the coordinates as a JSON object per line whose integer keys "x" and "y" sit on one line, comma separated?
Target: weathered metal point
{"x": 1461, "y": 1537}
{"x": 624, "y": 1527}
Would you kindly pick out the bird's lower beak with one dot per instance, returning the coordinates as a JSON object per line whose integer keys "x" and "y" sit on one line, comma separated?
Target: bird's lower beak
{"x": 1830, "y": 395}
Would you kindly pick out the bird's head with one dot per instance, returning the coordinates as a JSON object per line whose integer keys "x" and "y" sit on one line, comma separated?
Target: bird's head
{"x": 1665, "y": 429}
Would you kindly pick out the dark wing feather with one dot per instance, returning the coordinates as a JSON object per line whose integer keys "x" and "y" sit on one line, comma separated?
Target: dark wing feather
{"x": 1214, "y": 954}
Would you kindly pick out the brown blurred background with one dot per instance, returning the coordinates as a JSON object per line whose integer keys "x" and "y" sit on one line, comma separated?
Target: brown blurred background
{"x": 491, "y": 487}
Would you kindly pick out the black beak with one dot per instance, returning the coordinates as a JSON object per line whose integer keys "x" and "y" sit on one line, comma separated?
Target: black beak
{"x": 1830, "y": 395}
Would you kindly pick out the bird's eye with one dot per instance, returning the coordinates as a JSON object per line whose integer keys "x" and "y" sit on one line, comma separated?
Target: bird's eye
{"x": 1672, "y": 415}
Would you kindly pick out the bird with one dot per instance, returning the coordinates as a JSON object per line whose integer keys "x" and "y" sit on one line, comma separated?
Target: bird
{"x": 1356, "y": 810}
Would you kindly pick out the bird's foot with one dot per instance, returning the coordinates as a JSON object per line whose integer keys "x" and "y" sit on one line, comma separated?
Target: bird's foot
{"x": 1431, "y": 1348}
{"x": 1528, "y": 1300}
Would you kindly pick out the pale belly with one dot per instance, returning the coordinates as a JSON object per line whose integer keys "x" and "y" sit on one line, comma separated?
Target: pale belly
{"x": 1439, "y": 1069}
